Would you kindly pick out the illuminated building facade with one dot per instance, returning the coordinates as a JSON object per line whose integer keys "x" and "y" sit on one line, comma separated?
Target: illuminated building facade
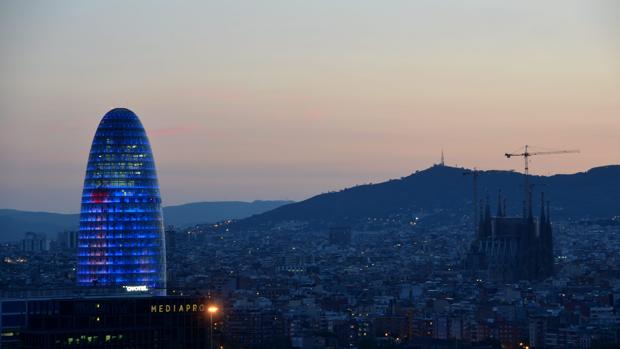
{"x": 121, "y": 242}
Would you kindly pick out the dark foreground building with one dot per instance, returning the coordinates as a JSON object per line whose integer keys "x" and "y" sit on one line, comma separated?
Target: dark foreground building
{"x": 110, "y": 322}
{"x": 145, "y": 321}
{"x": 121, "y": 237}
{"x": 509, "y": 249}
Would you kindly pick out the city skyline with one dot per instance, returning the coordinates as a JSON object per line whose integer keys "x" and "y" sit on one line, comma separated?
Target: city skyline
{"x": 345, "y": 174}
{"x": 276, "y": 101}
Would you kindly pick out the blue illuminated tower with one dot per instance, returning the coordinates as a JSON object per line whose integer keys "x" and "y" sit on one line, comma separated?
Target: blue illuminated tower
{"x": 121, "y": 243}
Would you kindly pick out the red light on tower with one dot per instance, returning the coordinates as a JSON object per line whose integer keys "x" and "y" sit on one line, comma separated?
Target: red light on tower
{"x": 99, "y": 196}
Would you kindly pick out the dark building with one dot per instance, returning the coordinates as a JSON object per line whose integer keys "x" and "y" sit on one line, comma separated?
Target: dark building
{"x": 508, "y": 249}
{"x": 108, "y": 322}
{"x": 249, "y": 327}
{"x": 67, "y": 239}
{"x": 12, "y": 321}
{"x": 34, "y": 242}
{"x": 392, "y": 326}
{"x": 121, "y": 237}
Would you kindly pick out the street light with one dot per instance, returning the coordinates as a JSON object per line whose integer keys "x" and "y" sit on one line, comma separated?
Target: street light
{"x": 212, "y": 309}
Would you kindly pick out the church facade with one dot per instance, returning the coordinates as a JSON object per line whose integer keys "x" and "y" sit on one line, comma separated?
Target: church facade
{"x": 510, "y": 249}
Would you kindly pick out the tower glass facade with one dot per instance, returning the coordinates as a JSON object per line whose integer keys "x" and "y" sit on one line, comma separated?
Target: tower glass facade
{"x": 121, "y": 237}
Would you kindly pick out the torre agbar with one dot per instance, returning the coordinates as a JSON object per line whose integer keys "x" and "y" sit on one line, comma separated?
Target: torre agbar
{"x": 121, "y": 245}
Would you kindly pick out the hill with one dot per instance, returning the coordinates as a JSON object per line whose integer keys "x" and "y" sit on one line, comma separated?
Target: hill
{"x": 14, "y": 223}
{"x": 201, "y": 212}
{"x": 595, "y": 193}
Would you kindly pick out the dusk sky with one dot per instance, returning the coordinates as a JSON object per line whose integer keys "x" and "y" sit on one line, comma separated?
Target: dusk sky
{"x": 247, "y": 100}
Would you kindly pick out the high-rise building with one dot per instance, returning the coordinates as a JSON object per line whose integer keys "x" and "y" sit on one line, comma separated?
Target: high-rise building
{"x": 67, "y": 239}
{"x": 121, "y": 242}
{"x": 34, "y": 242}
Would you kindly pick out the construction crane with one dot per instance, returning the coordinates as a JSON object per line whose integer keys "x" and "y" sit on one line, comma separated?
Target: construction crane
{"x": 526, "y": 157}
{"x": 474, "y": 175}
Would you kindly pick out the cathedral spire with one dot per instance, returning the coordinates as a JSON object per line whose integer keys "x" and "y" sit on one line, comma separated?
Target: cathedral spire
{"x": 487, "y": 218}
{"x": 543, "y": 219}
{"x": 487, "y": 209}
{"x": 499, "y": 204}
{"x": 480, "y": 221}
{"x": 530, "y": 215}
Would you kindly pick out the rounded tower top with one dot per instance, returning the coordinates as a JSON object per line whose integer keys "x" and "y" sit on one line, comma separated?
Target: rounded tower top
{"x": 119, "y": 119}
{"x": 120, "y": 113}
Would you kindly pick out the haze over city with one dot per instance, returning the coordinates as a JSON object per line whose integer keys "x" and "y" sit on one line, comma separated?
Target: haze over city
{"x": 284, "y": 100}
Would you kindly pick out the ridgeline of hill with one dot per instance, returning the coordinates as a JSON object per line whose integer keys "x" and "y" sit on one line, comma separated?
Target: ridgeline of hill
{"x": 591, "y": 194}
{"x": 14, "y": 223}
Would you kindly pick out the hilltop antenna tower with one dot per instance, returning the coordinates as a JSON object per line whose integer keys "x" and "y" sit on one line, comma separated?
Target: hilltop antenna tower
{"x": 442, "y": 163}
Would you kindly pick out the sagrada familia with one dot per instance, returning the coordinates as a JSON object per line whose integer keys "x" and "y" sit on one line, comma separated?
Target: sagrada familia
{"x": 509, "y": 249}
